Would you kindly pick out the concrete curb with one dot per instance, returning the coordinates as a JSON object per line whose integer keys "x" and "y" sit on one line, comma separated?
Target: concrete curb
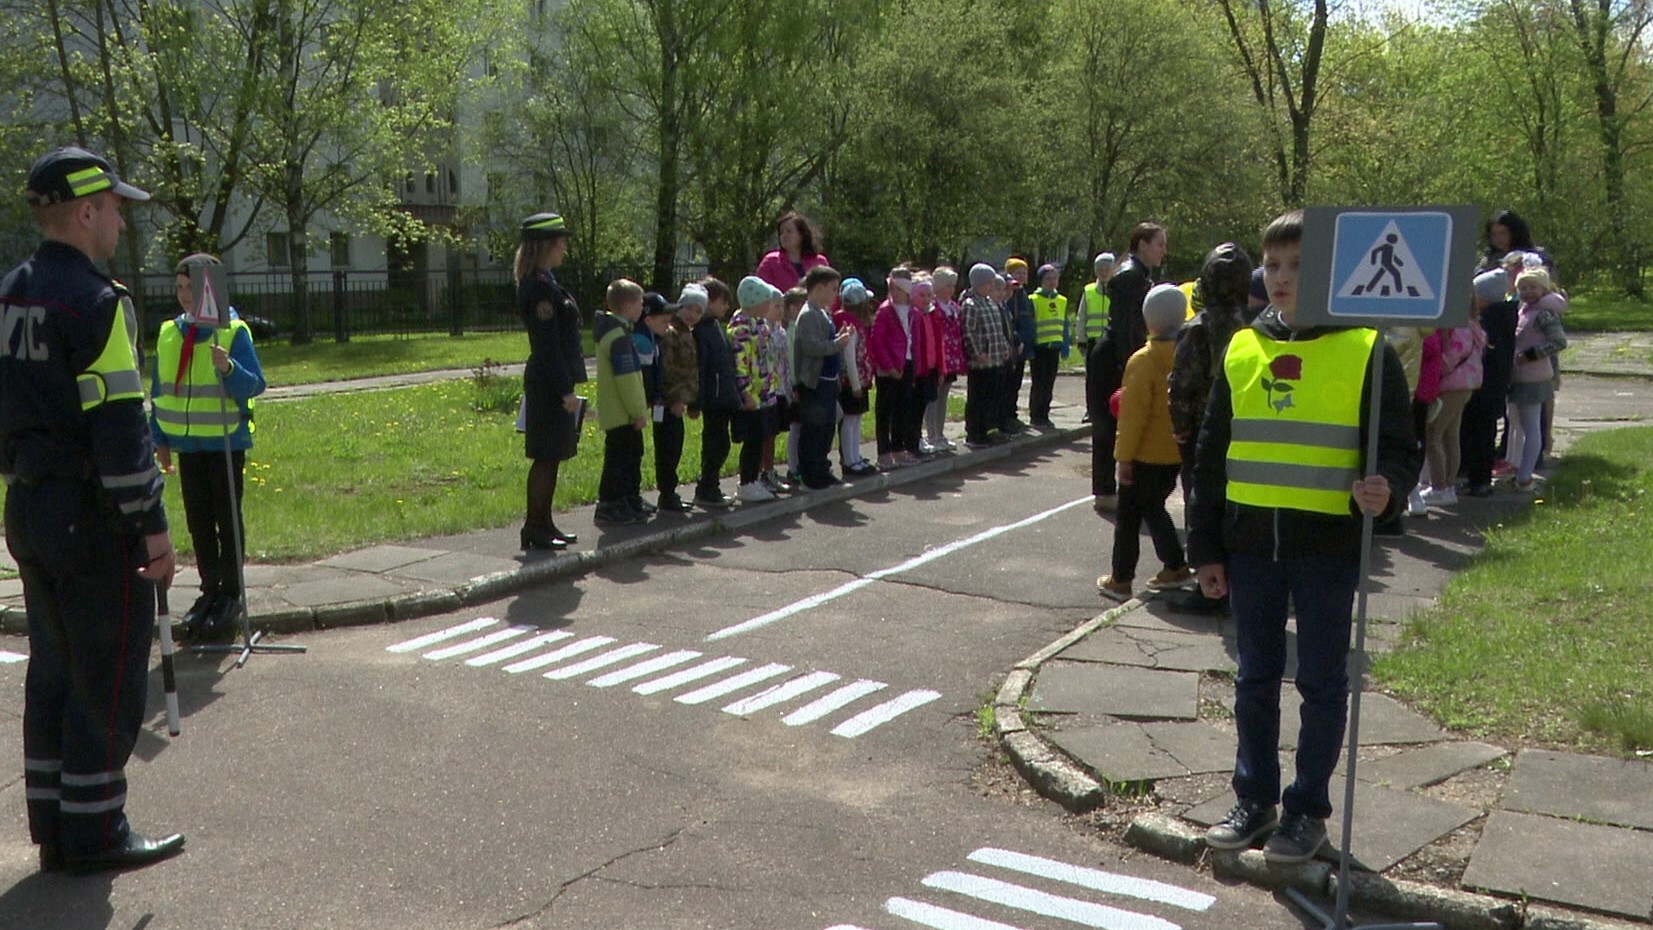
{"x": 487, "y": 588}
{"x": 1059, "y": 778}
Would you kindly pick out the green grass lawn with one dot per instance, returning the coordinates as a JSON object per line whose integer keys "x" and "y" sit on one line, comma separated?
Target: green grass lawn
{"x": 1548, "y": 637}
{"x": 341, "y": 471}
{"x": 368, "y": 356}
{"x": 1607, "y": 311}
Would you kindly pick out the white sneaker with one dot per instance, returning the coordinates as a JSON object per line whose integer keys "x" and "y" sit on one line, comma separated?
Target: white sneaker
{"x": 1440, "y": 497}
{"x": 754, "y": 493}
{"x": 942, "y": 445}
{"x": 1415, "y": 507}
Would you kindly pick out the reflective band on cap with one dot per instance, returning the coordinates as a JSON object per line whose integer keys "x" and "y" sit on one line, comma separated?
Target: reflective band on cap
{"x": 89, "y": 181}
{"x": 549, "y": 224}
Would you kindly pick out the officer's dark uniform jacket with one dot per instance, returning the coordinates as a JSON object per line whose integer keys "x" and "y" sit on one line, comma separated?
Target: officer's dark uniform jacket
{"x": 71, "y": 398}
{"x": 1218, "y": 526}
{"x": 556, "y": 358}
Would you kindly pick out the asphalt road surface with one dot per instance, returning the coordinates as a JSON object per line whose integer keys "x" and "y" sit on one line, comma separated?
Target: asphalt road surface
{"x": 773, "y": 731}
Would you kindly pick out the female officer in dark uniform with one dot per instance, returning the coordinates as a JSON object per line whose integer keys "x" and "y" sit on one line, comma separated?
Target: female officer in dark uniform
{"x": 556, "y": 362}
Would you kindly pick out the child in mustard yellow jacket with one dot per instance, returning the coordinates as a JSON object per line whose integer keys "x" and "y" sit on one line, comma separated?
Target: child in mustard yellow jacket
{"x": 1146, "y": 453}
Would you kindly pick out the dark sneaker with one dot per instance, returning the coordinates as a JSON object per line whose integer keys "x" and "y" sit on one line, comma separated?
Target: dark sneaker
{"x": 672, "y": 503}
{"x": 1246, "y": 821}
{"x": 1297, "y": 839}
{"x": 714, "y": 499}
{"x": 617, "y": 515}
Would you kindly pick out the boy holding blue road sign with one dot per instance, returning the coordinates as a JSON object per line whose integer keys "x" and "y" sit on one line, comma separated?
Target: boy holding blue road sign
{"x": 1281, "y": 481}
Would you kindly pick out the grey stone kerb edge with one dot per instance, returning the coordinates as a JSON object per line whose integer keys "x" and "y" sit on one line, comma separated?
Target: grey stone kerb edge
{"x": 1060, "y": 778}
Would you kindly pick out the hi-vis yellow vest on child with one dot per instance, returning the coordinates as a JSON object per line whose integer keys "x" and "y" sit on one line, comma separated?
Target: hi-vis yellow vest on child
{"x": 1296, "y": 432}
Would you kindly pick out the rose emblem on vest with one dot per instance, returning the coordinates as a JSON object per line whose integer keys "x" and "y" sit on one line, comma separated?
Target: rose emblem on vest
{"x": 1283, "y": 370}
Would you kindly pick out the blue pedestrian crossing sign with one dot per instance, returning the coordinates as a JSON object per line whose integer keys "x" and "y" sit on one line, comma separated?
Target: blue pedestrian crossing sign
{"x": 1369, "y": 266}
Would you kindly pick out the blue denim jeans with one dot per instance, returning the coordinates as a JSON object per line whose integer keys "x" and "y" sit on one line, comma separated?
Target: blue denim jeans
{"x": 1322, "y": 589}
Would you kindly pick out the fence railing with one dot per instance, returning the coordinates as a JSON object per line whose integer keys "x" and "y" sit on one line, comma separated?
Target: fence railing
{"x": 347, "y": 303}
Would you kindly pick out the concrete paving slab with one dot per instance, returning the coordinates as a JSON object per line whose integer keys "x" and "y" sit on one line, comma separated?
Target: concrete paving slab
{"x": 1198, "y": 746}
{"x": 1116, "y": 751}
{"x": 1116, "y": 691}
{"x": 455, "y": 568}
{"x": 1416, "y": 768}
{"x": 1383, "y": 720}
{"x": 1594, "y": 788}
{"x": 1565, "y": 862}
{"x": 342, "y": 590}
{"x": 1389, "y": 824}
{"x": 1155, "y": 615}
{"x": 379, "y": 558}
{"x": 1188, "y": 652}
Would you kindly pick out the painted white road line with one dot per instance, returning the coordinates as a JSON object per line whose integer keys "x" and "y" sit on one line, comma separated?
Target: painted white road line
{"x": 1095, "y": 879}
{"x": 780, "y": 693}
{"x": 431, "y": 639}
{"x": 940, "y": 918}
{"x": 481, "y": 642}
{"x": 594, "y": 663}
{"x": 883, "y": 713}
{"x": 827, "y": 703}
{"x": 850, "y": 587}
{"x": 693, "y": 673}
{"x": 1045, "y": 903}
{"x": 517, "y": 649}
{"x": 733, "y": 683}
{"x": 9, "y": 658}
{"x": 557, "y": 655}
{"x": 644, "y": 668}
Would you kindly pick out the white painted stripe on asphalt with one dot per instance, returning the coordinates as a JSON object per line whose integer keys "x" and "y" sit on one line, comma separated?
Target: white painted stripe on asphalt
{"x": 693, "y": 673}
{"x": 883, "y": 713}
{"x": 780, "y": 694}
{"x": 940, "y": 918}
{"x": 850, "y": 587}
{"x": 9, "y": 658}
{"x": 733, "y": 683}
{"x": 481, "y": 642}
{"x": 1045, "y": 903}
{"x": 431, "y": 639}
{"x": 1095, "y": 879}
{"x": 826, "y": 704}
{"x": 846, "y": 927}
{"x": 601, "y": 661}
{"x": 644, "y": 668}
{"x": 517, "y": 649}
{"x": 558, "y": 655}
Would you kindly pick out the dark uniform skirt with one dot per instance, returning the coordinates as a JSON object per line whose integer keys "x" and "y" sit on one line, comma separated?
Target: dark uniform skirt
{"x": 550, "y": 432}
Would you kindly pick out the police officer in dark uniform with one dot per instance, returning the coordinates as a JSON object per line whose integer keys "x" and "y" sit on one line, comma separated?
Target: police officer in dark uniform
{"x": 556, "y": 362}
{"x": 84, "y": 519}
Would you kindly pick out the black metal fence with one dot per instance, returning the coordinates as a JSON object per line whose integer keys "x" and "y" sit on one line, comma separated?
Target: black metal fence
{"x": 347, "y": 303}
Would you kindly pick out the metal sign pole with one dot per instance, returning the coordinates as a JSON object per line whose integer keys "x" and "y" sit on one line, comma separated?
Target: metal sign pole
{"x": 1339, "y": 919}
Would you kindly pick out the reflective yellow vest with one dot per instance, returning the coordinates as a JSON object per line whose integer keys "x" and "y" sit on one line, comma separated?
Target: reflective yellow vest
{"x": 1050, "y": 319}
{"x": 1093, "y": 313}
{"x": 1296, "y": 431}
{"x": 197, "y": 406}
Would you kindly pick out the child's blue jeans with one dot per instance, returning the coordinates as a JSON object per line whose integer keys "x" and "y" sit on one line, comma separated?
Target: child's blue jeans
{"x": 1322, "y": 589}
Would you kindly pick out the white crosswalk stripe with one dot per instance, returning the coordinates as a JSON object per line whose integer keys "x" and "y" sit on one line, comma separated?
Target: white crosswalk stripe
{"x": 605, "y": 662}
{"x": 9, "y": 658}
{"x": 1091, "y": 902}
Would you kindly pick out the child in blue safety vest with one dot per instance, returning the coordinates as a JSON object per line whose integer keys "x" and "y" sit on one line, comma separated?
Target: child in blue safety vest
{"x": 205, "y": 376}
{"x": 1281, "y": 482}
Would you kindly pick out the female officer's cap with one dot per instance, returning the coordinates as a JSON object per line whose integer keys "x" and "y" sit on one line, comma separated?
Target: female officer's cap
{"x": 543, "y": 226}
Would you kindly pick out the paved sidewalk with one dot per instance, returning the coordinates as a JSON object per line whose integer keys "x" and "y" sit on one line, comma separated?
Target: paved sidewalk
{"x": 1137, "y": 702}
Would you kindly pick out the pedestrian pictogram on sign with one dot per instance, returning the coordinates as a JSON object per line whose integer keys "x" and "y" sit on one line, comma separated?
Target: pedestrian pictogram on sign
{"x": 1369, "y": 267}
{"x": 1394, "y": 271}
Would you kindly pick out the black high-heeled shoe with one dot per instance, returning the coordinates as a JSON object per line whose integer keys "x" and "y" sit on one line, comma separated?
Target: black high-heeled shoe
{"x": 567, "y": 539}
{"x": 541, "y": 539}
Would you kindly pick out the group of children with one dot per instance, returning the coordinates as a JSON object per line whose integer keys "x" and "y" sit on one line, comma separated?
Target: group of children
{"x": 753, "y": 362}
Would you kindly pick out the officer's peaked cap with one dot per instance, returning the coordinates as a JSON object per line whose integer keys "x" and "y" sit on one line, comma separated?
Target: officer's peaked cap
{"x": 543, "y": 226}
{"x": 66, "y": 173}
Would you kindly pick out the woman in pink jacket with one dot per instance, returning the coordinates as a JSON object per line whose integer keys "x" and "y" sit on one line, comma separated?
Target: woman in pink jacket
{"x": 786, "y": 266}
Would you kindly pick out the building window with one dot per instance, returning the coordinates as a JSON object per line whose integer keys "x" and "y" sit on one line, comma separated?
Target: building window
{"x": 430, "y": 182}
{"x": 338, "y": 245}
{"x": 275, "y": 245}
{"x": 453, "y": 182}
{"x": 409, "y": 183}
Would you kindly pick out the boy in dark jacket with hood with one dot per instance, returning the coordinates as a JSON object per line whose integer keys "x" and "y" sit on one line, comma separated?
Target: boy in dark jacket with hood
{"x": 1280, "y": 487}
{"x": 719, "y": 398}
{"x": 1223, "y": 284}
